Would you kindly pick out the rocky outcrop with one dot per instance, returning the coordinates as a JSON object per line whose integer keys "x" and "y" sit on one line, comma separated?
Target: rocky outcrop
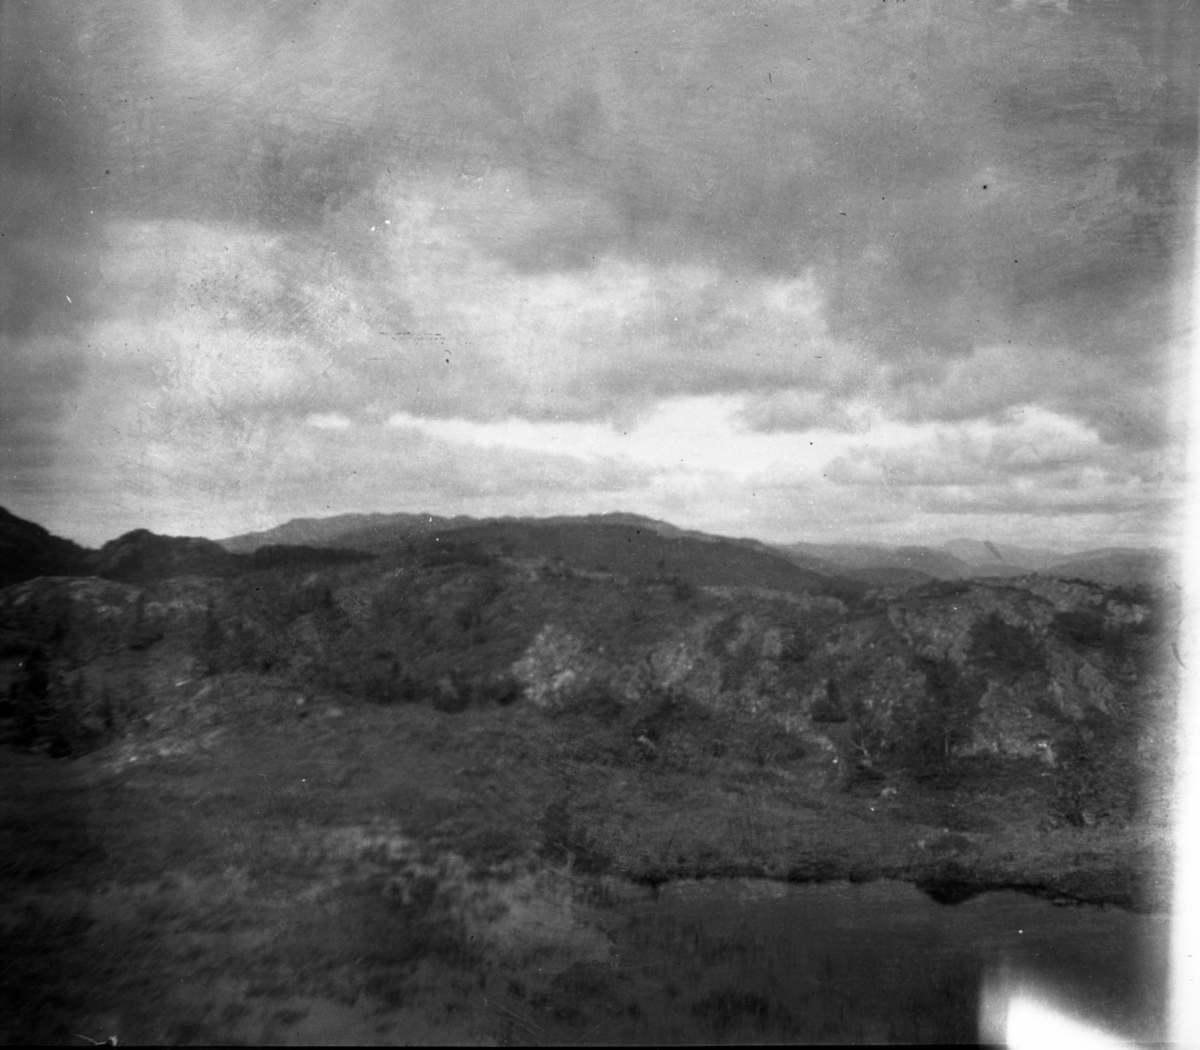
{"x": 1066, "y": 675}
{"x": 1061, "y": 674}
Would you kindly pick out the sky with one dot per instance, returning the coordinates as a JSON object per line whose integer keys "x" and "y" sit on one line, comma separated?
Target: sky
{"x": 866, "y": 270}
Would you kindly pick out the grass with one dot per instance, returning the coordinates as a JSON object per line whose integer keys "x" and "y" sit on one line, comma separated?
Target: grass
{"x": 391, "y": 873}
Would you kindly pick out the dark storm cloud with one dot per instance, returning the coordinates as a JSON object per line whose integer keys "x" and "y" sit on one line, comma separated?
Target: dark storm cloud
{"x": 942, "y": 165}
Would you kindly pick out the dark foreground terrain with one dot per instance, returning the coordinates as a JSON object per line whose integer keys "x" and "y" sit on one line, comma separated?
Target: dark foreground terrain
{"x": 399, "y": 796}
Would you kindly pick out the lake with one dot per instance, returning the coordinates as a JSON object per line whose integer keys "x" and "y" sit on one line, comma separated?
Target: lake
{"x": 754, "y": 961}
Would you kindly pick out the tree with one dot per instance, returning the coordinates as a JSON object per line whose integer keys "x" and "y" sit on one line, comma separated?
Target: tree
{"x": 943, "y": 718}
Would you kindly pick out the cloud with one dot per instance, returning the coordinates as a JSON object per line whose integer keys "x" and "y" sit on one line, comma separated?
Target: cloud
{"x": 1033, "y": 463}
{"x": 1030, "y": 191}
{"x": 216, "y": 479}
{"x": 229, "y": 225}
{"x": 697, "y": 436}
{"x": 328, "y": 421}
{"x": 228, "y": 318}
{"x": 586, "y": 343}
{"x": 802, "y": 410}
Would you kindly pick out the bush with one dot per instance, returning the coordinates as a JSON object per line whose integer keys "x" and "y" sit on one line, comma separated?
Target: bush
{"x": 768, "y": 744}
{"x": 1083, "y": 627}
{"x": 828, "y": 708}
{"x": 562, "y": 841}
{"x": 451, "y": 697}
{"x": 597, "y": 700}
{"x": 1000, "y": 646}
{"x": 942, "y": 719}
{"x": 1096, "y": 776}
{"x": 796, "y": 649}
{"x": 396, "y": 688}
{"x": 501, "y": 689}
{"x": 669, "y": 710}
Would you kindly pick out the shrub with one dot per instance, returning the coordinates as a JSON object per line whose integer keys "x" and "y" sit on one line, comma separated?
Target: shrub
{"x": 828, "y": 708}
{"x": 1095, "y": 777}
{"x": 942, "y": 719}
{"x": 502, "y": 690}
{"x": 563, "y": 841}
{"x": 669, "y": 710}
{"x": 768, "y": 744}
{"x": 598, "y": 700}
{"x": 1082, "y": 627}
{"x": 865, "y": 736}
{"x": 451, "y": 697}
{"x": 682, "y": 589}
{"x": 1000, "y": 646}
{"x": 395, "y": 688}
{"x": 796, "y": 649}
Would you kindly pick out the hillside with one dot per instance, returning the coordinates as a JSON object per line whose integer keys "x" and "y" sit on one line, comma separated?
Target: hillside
{"x": 28, "y": 550}
{"x": 638, "y": 647}
{"x": 632, "y": 552}
{"x": 865, "y": 557}
{"x": 1119, "y": 566}
{"x": 963, "y": 559}
{"x": 396, "y": 782}
{"x": 330, "y": 531}
{"x": 872, "y": 565}
{"x": 142, "y": 555}
{"x": 983, "y": 555}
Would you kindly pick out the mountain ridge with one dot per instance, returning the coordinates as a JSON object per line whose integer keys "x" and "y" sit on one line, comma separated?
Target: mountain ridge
{"x": 28, "y": 550}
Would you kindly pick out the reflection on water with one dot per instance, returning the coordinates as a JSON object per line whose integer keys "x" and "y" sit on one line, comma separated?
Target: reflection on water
{"x": 755, "y": 961}
{"x": 1032, "y": 1025}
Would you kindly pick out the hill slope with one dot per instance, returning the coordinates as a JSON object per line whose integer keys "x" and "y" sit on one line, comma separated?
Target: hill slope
{"x": 330, "y": 531}
{"x": 635, "y": 552}
{"x": 983, "y": 555}
{"x": 28, "y": 550}
{"x": 859, "y": 557}
{"x": 1118, "y": 566}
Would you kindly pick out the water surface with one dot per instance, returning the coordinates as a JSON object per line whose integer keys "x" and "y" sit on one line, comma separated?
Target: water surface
{"x": 742, "y": 961}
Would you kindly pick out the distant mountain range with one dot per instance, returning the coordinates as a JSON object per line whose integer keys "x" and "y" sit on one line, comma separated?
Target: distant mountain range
{"x": 876, "y": 565}
{"x": 983, "y": 554}
{"x": 626, "y": 544}
{"x": 27, "y": 551}
{"x": 971, "y": 559}
{"x": 1119, "y": 566}
{"x": 925, "y": 563}
{"x": 320, "y": 531}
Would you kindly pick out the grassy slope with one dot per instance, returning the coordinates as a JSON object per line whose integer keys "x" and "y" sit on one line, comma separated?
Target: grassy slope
{"x": 372, "y": 872}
